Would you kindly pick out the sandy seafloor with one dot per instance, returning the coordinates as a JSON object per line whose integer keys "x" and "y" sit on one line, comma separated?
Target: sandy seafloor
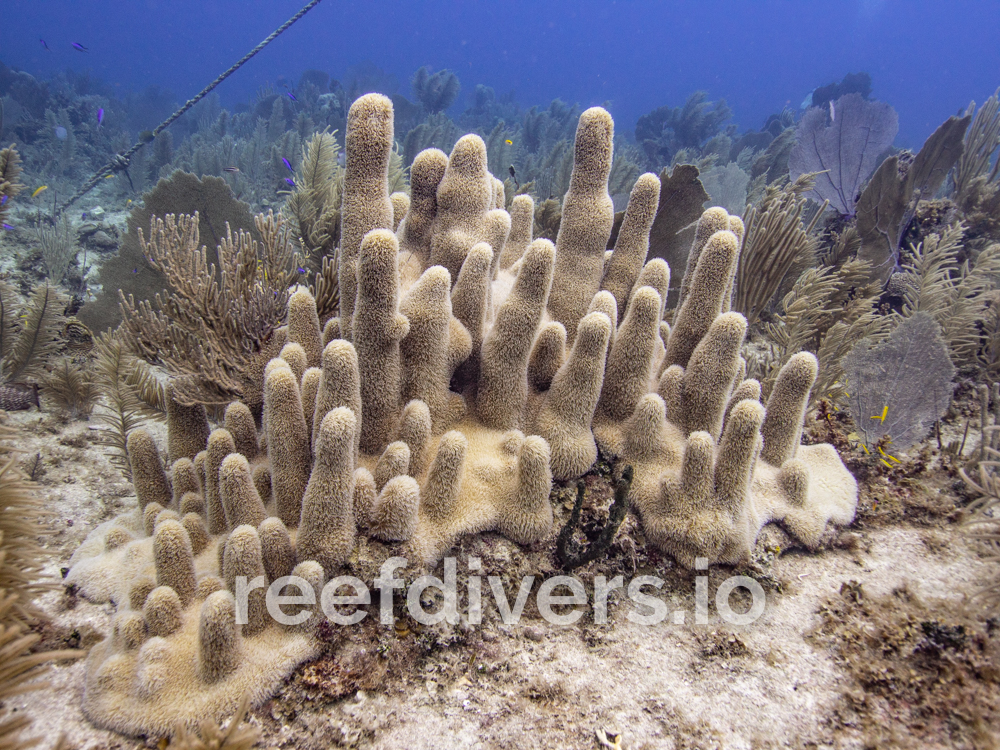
{"x": 535, "y": 685}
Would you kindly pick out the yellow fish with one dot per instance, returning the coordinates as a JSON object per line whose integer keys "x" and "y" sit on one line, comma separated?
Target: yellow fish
{"x": 108, "y": 176}
{"x": 38, "y": 190}
{"x": 881, "y": 417}
{"x": 891, "y": 458}
{"x": 509, "y": 142}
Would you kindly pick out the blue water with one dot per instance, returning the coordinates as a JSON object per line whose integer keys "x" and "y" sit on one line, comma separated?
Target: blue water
{"x": 926, "y": 58}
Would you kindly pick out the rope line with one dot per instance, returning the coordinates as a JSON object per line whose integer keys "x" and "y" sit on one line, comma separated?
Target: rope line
{"x": 121, "y": 160}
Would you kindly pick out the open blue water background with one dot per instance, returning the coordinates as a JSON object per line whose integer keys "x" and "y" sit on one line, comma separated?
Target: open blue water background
{"x": 927, "y": 58}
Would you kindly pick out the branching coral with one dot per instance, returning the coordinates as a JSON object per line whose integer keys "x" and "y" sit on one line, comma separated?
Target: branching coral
{"x": 457, "y": 391}
{"x": 981, "y": 143}
{"x": 436, "y": 91}
{"x": 776, "y": 241}
{"x": 59, "y": 247}
{"x": 71, "y": 388}
{"x": 827, "y": 311}
{"x": 130, "y": 270}
{"x": 216, "y": 327}
{"x": 20, "y": 569}
{"x": 955, "y": 295}
{"x": 314, "y": 204}
{"x": 20, "y": 553}
{"x": 129, "y": 391}
{"x": 665, "y": 130}
{"x": 28, "y": 337}
{"x": 20, "y": 669}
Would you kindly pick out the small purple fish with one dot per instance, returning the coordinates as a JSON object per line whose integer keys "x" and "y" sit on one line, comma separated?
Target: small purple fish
{"x": 302, "y": 270}
{"x": 7, "y": 226}
{"x": 79, "y": 47}
{"x": 290, "y": 181}
{"x": 3, "y": 200}
{"x": 100, "y": 116}
{"x": 44, "y": 45}
{"x": 83, "y": 216}
{"x": 291, "y": 96}
{"x": 288, "y": 164}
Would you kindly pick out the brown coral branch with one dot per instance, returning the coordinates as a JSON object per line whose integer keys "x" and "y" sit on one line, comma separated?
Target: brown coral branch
{"x": 214, "y": 322}
{"x": 776, "y": 240}
{"x": 981, "y": 142}
{"x": 123, "y": 408}
{"x": 39, "y": 329}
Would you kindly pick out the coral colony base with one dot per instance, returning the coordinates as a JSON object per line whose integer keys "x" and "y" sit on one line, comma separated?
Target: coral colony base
{"x": 469, "y": 368}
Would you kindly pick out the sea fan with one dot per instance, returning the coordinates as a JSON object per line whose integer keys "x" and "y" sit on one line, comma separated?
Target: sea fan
{"x": 844, "y": 143}
{"x": 900, "y": 386}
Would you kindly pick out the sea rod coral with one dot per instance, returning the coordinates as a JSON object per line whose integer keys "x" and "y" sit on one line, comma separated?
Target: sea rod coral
{"x": 443, "y": 401}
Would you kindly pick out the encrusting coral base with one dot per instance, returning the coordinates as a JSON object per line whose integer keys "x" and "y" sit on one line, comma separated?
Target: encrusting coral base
{"x": 444, "y": 401}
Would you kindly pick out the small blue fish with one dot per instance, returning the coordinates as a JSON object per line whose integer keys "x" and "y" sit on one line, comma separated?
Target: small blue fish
{"x": 3, "y": 200}
{"x": 79, "y": 47}
{"x": 44, "y": 45}
{"x": 100, "y": 116}
{"x": 302, "y": 270}
{"x": 290, "y": 181}
{"x": 288, "y": 164}
{"x": 7, "y": 226}
{"x": 291, "y": 96}
{"x": 83, "y": 216}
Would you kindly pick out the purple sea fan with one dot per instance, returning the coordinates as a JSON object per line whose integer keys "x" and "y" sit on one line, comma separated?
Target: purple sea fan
{"x": 846, "y": 149}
